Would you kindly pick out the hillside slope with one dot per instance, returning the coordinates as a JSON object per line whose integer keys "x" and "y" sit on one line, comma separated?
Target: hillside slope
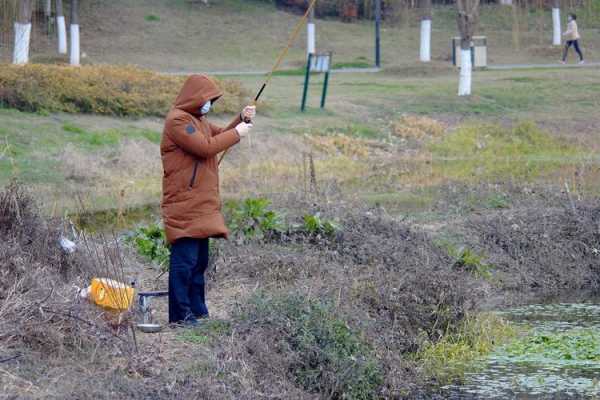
{"x": 236, "y": 35}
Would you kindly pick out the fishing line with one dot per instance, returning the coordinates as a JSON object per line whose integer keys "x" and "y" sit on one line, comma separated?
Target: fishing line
{"x": 280, "y": 58}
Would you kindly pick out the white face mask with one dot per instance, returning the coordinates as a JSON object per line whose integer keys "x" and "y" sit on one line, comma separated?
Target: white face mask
{"x": 206, "y": 108}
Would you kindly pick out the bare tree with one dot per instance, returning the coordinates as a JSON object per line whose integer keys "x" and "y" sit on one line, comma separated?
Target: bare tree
{"x": 23, "y": 32}
{"x": 61, "y": 28}
{"x": 467, "y": 18}
{"x": 516, "y": 25}
{"x": 541, "y": 19}
{"x": 74, "y": 27}
{"x": 425, "y": 53}
{"x": 48, "y": 11}
{"x": 556, "y": 32}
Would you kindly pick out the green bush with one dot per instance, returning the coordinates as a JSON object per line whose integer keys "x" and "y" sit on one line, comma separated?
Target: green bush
{"x": 468, "y": 260}
{"x": 314, "y": 225}
{"x": 105, "y": 89}
{"x": 328, "y": 356}
{"x": 252, "y": 218}
{"x": 150, "y": 241}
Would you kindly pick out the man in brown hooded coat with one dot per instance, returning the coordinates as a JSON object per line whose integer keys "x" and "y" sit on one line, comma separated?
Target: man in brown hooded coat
{"x": 191, "y": 205}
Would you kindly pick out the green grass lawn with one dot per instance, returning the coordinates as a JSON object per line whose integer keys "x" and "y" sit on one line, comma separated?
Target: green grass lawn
{"x": 63, "y": 155}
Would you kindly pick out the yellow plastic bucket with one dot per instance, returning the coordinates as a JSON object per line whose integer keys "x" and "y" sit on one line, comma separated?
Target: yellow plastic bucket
{"x": 111, "y": 294}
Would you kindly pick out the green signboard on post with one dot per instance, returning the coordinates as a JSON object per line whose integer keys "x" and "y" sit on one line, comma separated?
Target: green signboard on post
{"x": 317, "y": 63}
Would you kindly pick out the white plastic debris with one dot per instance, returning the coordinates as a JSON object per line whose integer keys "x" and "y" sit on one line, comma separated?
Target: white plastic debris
{"x": 85, "y": 292}
{"x": 67, "y": 245}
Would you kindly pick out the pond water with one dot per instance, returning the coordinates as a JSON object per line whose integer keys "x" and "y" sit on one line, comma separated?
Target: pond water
{"x": 111, "y": 220}
{"x": 558, "y": 359}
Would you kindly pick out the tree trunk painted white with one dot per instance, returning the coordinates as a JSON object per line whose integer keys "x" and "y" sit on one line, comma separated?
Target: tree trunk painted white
{"x": 22, "y": 40}
{"x": 464, "y": 83}
{"x": 556, "y": 33}
{"x": 74, "y": 27}
{"x": 61, "y": 28}
{"x": 75, "y": 50}
{"x": 425, "y": 53}
{"x": 22, "y": 32}
{"x": 467, "y": 19}
{"x": 425, "y": 40}
{"x": 310, "y": 38}
{"x": 506, "y": 2}
{"x": 62, "y": 34}
{"x": 311, "y": 34}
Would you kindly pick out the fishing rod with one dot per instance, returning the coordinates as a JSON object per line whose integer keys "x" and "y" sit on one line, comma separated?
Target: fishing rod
{"x": 280, "y": 58}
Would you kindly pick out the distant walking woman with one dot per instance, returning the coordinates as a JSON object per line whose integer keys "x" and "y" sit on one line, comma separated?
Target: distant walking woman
{"x": 572, "y": 37}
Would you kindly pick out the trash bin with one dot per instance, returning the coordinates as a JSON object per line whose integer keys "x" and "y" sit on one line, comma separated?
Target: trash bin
{"x": 478, "y": 51}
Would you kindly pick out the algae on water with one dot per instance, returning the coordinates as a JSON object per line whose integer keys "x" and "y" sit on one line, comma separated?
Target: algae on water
{"x": 559, "y": 357}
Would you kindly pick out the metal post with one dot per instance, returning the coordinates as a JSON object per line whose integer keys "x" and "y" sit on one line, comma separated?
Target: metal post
{"x": 325, "y": 83}
{"x": 377, "y": 33}
{"x": 306, "y": 80}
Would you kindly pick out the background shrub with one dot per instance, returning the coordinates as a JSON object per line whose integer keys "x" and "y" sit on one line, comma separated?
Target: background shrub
{"x": 104, "y": 89}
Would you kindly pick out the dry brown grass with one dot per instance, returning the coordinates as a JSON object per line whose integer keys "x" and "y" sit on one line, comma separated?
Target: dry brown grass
{"x": 340, "y": 144}
{"x": 42, "y": 320}
{"x": 417, "y": 127}
{"x": 113, "y": 173}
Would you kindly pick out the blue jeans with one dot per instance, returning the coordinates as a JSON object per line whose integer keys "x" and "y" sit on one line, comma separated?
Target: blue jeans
{"x": 189, "y": 260}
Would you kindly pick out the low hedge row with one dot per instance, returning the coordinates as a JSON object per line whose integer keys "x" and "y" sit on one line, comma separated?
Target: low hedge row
{"x": 105, "y": 89}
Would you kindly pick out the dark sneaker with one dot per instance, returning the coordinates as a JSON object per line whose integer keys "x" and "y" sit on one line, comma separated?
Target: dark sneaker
{"x": 190, "y": 323}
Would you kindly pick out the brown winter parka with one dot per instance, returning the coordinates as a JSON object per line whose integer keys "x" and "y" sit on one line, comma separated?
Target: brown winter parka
{"x": 191, "y": 205}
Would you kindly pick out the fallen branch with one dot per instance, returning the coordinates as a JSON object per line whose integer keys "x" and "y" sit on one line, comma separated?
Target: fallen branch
{"x": 10, "y": 358}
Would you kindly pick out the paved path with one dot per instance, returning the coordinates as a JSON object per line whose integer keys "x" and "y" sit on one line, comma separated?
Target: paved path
{"x": 499, "y": 67}
{"x": 533, "y": 66}
{"x": 239, "y": 73}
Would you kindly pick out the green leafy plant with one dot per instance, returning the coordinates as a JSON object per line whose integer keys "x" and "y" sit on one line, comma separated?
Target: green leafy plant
{"x": 468, "y": 260}
{"x": 498, "y": 201}
{"x": 313, "y": 224}
{"x": 150, "y": 241}
{"x": 253, "y": 218}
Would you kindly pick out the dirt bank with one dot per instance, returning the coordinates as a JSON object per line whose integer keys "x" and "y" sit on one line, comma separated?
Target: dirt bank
{"x": 294, "y": 315}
